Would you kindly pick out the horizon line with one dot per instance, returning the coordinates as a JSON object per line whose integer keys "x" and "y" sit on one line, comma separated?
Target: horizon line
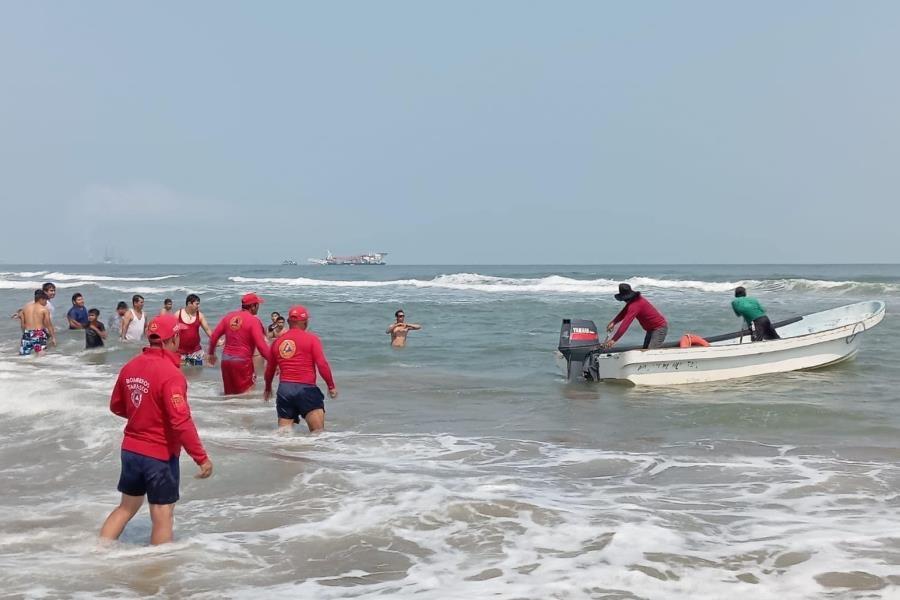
{"x": 462, "y": 264}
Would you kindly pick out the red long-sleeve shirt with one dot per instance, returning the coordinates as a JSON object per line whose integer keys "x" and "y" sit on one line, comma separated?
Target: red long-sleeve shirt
{"x": 151, "y": 393}
{"x": 243, "y": 333}
{"x": 644, "y": 312}
{"x": 298, "y": 353}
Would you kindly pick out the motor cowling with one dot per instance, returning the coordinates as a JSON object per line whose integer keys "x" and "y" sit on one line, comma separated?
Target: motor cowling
{"x": 578, "y": 338}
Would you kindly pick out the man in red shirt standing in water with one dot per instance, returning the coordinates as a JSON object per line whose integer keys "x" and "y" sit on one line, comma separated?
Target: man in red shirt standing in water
{"x": 243, "y": 333}
{"x": 298, "y": 354}
{"x": 637, "y": 307}
{"x": 151, "y": 393}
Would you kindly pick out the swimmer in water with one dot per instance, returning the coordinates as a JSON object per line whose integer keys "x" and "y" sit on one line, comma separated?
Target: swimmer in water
{"x": 37, "y": 328}
{"x": 400, "y": 328}
{"x": 167, "y": 307}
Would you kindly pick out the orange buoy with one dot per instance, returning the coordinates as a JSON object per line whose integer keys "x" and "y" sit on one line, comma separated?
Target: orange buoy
{"x": 691, "y": 339}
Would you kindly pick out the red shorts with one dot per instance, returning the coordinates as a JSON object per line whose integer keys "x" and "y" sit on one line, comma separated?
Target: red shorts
{"x": 238, "y": 375}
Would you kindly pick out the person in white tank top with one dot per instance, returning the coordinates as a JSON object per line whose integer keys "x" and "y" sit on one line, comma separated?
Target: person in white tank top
{"x": 134, "y": 321}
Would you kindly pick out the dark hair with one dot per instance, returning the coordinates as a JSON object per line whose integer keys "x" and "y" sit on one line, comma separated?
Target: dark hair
{"x": 276, "y": 314}
{"x": 121, "y": 304}
{"x": 94, "y": 312}
{"x": 397, "y": 314}
{"x": 191, "y": 298}
{"x": 740, "y": 292}
{"x": 280, "y": 319}
{"x": 75, "y": 297}
{"x": 48, "y": 286}
{"x": 136, "y": 297}
{"x": 40, "y": 295}
{"x": 167, "y": 301}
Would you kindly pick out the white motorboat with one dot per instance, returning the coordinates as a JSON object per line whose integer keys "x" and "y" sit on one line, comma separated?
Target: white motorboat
{"x": 807, "y": 342}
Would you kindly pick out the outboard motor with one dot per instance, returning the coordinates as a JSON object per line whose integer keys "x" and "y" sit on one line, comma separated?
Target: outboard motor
{"x": 578, "y": 338}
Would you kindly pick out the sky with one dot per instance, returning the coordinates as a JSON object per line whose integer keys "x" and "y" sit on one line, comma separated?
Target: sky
{"x": 502, "y": 132}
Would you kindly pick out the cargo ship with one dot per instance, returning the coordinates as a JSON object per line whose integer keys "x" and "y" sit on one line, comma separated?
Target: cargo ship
{"x": 371, "y": 258}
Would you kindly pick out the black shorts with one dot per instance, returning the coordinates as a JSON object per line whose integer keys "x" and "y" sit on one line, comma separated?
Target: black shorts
{"x": 144, "y": 475}
{"x": 295, "y": 400}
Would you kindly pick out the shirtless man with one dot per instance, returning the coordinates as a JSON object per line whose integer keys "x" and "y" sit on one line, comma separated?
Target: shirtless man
{"x": 399, "y": 329}
{"x": 37, "y": 328}
{"x": 167, "y": 307}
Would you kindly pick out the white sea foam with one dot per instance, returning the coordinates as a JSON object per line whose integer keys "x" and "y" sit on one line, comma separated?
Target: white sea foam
{"x": 565, "y": 285}
{"x": 73, "y": 277}
{"x": 6, "y": 284}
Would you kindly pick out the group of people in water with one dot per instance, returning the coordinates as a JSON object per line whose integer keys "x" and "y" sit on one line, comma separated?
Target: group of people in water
{"x": 151, "y": 389}
{"x": 656, "y": 327}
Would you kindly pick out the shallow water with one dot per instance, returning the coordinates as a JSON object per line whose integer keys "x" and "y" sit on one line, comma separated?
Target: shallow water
{"x": 464, "y": 465}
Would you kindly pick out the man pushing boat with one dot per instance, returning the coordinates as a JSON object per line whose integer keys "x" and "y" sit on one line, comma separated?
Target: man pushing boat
{"x": 637, "y": 307}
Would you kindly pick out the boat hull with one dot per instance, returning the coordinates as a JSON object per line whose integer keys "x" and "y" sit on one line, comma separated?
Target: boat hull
{"x": 736, "y": 360}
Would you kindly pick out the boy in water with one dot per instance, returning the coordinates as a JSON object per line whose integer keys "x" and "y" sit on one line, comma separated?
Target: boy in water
{"x": 271, "y": 328}
{"x": 77, "y": 315}
{"x": 115, "y": 321}
{"x": 278, "y": 330}
{"x": 167, "y": 307}
{"x": 95, "y": 332}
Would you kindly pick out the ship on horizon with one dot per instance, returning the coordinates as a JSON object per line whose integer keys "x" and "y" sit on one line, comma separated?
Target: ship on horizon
{"x": 370, "y": 258}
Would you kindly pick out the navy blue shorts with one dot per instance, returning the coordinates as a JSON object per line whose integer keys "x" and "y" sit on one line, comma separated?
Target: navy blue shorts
{"x": 144, "y": 475}
{"x": 296, "y": 400}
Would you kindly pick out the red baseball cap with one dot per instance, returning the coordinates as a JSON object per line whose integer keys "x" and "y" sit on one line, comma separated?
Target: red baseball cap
{"x": 164, "y": 327}
{"x": 298, "y": 313}
{"x": 251, "y": 298}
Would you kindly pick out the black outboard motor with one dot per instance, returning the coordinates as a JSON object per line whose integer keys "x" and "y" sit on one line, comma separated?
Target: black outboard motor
{"x": 578, "y": 338}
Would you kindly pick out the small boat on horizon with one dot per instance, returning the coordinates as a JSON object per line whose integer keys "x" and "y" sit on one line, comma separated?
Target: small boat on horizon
{"x": 807, "y": 342}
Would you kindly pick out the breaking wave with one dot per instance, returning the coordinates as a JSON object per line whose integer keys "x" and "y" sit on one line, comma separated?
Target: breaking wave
{"x": 25, "y": 280}
{"x": 71, "y": 277}
{"x": 567, "y": 285}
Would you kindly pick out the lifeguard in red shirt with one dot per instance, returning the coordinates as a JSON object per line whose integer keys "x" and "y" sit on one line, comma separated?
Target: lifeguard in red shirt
{"x": 638, "y": 307}
{"x": 151, "y": 393}
{"x": 243, "y": 333}
{"x": 298, "y": 354}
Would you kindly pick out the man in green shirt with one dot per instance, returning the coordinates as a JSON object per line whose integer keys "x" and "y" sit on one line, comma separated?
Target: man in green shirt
{"x": 754, "y": 314}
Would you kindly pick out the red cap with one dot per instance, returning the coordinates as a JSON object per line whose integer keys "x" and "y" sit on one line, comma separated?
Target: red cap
{"x": 164, "y": 327}
{"x": 298, "y": 313}
{"x": 251, "y": 298}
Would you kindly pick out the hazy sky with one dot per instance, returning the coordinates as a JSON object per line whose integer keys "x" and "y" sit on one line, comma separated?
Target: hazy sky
{"x": 454, "y": 132}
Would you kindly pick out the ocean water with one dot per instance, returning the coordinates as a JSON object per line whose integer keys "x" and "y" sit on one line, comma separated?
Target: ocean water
{"x": 464, "y": 466}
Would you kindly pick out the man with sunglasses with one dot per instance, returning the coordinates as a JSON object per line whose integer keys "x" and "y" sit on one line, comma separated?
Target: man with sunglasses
{"x": 398, "y": 329}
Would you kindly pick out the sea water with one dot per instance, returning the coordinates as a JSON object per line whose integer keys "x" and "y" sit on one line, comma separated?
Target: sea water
{"x": 464, "y": 465}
